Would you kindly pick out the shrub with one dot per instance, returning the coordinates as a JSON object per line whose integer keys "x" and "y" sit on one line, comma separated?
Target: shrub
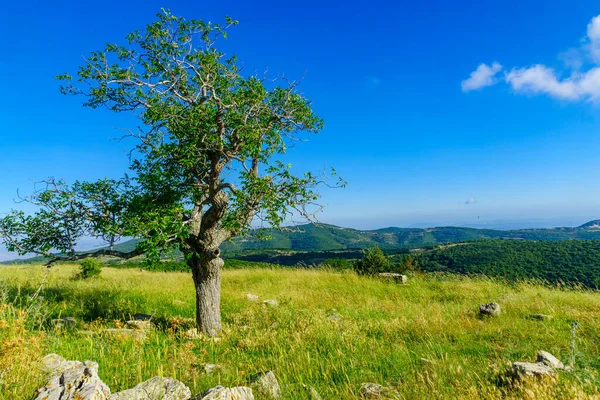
{"x": 89, "y": 267}
{"x": 337, "y": 264}
{"x": 373, "y": 261}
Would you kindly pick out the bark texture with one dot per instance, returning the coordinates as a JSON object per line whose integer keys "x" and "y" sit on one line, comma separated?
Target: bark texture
{"x": 206, "y": 272}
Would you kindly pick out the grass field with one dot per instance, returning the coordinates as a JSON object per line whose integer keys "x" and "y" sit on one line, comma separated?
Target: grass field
{"x": 381, "y": 335}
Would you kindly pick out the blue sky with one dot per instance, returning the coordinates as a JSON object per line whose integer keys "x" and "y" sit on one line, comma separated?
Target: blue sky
{"x": 419, "y": 139}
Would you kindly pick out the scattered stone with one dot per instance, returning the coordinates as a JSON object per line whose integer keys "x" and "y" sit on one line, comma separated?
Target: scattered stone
{"x": 139, "y": 324}
{"x": 540, "y": 317}
{"x": 373, "y": 391}
{"x": 492, "y": 309}
{"x": 271, "y": 302}
{"x": 223, "y": 393}
{"x": 426, "y": 361}
{"x": 543, "y": 357}
{"x": 142, "y": 317}
{"x": 210, "y": 369}
{"x": 125, "y": 332}
{"x": 532, "y": 369}
{"x": 73, "y": 380}
{"x": 312, "y": 393}
{"x": 192, "y": 334}
{"x": 266, "y": 385}
{"x": 334, "y": 317}
{"x": 52, "y": 362}
{"x": 156, "y": 388}
{"x": 64, "y": 322}
{"x": 87, "y": 333}
{"x": 252, "y": 297}
{"x": 398, "y": 278}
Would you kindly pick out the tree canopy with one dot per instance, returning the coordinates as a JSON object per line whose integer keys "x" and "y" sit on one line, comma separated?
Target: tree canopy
{"x": 205, "y": 164}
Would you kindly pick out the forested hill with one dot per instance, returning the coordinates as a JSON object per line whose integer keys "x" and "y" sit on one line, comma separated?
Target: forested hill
{"x": 312, "y": 237}
{"x": 567, "y": 261}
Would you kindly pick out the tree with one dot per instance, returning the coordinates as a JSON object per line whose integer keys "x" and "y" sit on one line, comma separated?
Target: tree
{"x": 204, "y": 164}
{"x": 373, "y": 261}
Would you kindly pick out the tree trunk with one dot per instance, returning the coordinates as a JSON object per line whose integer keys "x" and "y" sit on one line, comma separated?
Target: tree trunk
{"x": 206, "y": 271}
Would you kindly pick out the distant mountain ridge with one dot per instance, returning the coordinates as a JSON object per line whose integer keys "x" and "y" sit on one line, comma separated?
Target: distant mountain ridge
{"x": 321, "y": 237}
{"x": 311, "y": 237}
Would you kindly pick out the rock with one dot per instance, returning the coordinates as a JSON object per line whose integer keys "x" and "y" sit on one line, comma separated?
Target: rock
{"x": 139, "y": 324}
{"x": 492, "y": 309}
{"x": 398, "y": 278}
{"x": 373, "y": 391}
{"x": 223, "y": 393}
{"x": 156, "y": 388}
{"x": 65, "y": 322}
{"x": 266, "y": 385}
{"x": 312, "y": 393}
{"x": 334, "y": 317}
{"x": 125, "y": 333}
{"x": 192, "y": 334}
{"x": 52, "y": 362}
{"x": 142, "y": 317}
{"x": 532, "y": 369}
{"x": 76, "y": 381}
{"x": 271, "y": 302}
{"x": 540, "y": 317}
{"x": 543, "y": 357}
{"x": 252, "y": 297}
{"x": 210, "y": 369}
{"x": 87, "y": 333}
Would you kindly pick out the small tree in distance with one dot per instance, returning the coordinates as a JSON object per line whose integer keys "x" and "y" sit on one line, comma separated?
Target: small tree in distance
{"x": 373, "y": 261}
{"x": 204, "y": 164}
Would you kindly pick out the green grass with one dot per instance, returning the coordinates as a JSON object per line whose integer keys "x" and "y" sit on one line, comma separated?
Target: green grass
{"x": 384, "y": 331}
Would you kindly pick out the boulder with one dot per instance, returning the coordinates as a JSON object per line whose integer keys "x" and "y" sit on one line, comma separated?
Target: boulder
{"x": 491, "y": 309}
{"x": 252, "y": 297}
{"x": 64, "y": 323}
{"x": 334, "y": 317}
{"x": 142, "y": 317}
{"x": 374, "y": 391}
{"x": 390, "y": 276}
{"x": 543, "y": 357}
{"x": 266, "y": 385}
{"x": 540, "y": 317}
{"x": 271, "y": 302}
{"x": 532, "y": 369}
{"x": 311, "y": 392}
{"x": 125, "y": 333}
{"x": 223, "y": 393}
{"x": 139, "y": 324}
{"x": 156, "y": 388}
{"x": 210, "y": 369}
{"x": 52, "y": 362}
{"x": 72, "y": 380}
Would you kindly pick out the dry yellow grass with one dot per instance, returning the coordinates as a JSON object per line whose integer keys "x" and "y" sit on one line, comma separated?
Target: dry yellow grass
{"x": 381, "y": 335}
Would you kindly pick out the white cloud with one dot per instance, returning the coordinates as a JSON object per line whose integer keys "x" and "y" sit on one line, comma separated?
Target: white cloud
{"x": 483, "y": 76}
{"x": 471, "y": 201}
{"x": 593, "y": 36}
{"x": 540, "y": 79}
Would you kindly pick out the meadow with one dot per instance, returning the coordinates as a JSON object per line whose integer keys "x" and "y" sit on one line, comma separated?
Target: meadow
{"x": 331, "y": 330}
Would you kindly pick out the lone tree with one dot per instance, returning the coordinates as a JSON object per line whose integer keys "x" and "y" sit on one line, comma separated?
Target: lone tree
{"x": 203, "y": 165}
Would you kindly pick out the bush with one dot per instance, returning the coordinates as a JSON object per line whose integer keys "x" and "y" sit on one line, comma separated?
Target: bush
{"x": 337, "y": 264}
{"x": 89, "y": 267}
{"x": 373, "y": 261}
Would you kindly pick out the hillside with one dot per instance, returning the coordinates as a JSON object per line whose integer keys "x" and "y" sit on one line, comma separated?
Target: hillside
{"x": 322, "y": 237}
{"x": 319, "y": 237}
{"x": 573, "y": 261}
